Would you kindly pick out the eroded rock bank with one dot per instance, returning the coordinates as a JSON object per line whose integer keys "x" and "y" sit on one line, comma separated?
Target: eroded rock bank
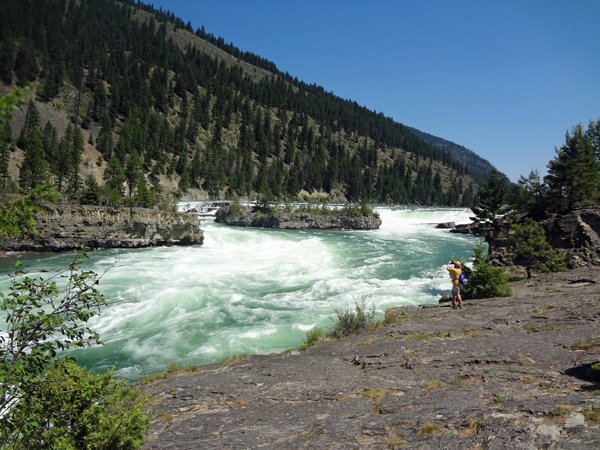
{"x": 70, "y": 226}
{"x": 296, "y": 220}
{"x": 500, "y": 373}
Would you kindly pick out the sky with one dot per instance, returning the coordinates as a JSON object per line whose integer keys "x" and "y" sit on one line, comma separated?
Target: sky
{"x": 506, "y": 79}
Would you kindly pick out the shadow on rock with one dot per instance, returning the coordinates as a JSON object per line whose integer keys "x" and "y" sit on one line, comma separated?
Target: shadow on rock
{"x": 585, "y": 372}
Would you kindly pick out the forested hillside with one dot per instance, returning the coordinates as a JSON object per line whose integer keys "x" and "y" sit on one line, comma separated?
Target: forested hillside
{"x": 127, "y": 102}
{"x": 479, "y": 168}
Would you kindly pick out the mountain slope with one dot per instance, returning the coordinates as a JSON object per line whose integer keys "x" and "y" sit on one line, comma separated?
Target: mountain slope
{"x": 166, "y": 109}
{"x": 479, "y": 167}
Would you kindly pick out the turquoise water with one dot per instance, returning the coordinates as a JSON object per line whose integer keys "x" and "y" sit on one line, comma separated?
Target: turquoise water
{"x": 255, "y": 290}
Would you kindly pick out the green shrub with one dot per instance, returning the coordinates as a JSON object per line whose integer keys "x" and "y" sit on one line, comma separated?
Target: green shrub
{"x": 350, "y": 211}
{"x": 53, "y": 403}
{"x": 350, "y": 321}
{"x": 484, "y": 281}
{"x": 313, "y": 335}
{"x": 235, "y": 209}
{"x": 528, "y": 241}
{"x": 72, "y": 409}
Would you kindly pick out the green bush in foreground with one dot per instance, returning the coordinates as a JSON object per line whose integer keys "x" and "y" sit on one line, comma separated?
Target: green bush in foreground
{"x": 484, "y": 281}
{"x": 72, "y": 409}
{"x": 49, "y": 403}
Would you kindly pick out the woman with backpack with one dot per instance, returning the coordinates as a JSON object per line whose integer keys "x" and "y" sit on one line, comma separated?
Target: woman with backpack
{"x": 455, "y": 272}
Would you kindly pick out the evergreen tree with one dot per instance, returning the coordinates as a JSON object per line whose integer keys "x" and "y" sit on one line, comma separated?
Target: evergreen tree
{"x": 26, "y": 67}
{"x": 34, "y": 169}
{"x": 143, "y": 196}
{"x": 32, "y": 123}
{"x": 530, "y": 195}
{"x": 114, "y": 177}
{"x": 8, "y": 51}
{"x": 91, "y": 195}
{"x": 133, "y": 171}
{"x": 528, "y": 241}
{"x": 77, "y": 148}
{"x": 99, "y": 103}
{"x": 184, "y": 181}
{"x": 5, "y": 140}
{"x": 492, "y": 211}
{"x": 52, "y": 81}
{"x": 105, "y": 141}
{"x": 62, "y": 164}
{"x": 574, "y": 174}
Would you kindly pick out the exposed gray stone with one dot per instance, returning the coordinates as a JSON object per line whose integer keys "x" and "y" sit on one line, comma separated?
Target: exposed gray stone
{"x": 296, "y": 221}
{"x": 484, "y": 385}
{"x": 70, "y": 226}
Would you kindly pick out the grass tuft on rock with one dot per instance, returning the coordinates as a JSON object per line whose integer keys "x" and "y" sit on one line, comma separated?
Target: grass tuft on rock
{"x": 395, "y": 441}
{"x": 431, "y": 428}
{"x": 313, "y": 335}
{"x": 234, "y": 358}
{"x": 349, "y": 321}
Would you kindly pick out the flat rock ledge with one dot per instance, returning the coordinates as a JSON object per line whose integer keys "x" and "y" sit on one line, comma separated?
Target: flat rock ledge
{"x": 296, "y": 221}
{"x": 70, "y": 226}
{"x": 501, "y": 373}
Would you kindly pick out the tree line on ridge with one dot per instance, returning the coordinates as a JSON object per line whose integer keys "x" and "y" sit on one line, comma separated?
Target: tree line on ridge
{"x": 170, "y": 110}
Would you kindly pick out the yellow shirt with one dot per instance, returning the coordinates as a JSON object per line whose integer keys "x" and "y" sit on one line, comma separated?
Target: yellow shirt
{"x": 454, "y": 274}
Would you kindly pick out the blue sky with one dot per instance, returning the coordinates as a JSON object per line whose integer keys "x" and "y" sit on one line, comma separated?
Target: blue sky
{"x": 506, "y": 79}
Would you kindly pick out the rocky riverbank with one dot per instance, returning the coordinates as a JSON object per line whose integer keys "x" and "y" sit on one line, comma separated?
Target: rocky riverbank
{"x": 70, "y": 226}
{"x": 246, "y": 217}
{"x": 500, "y": 373}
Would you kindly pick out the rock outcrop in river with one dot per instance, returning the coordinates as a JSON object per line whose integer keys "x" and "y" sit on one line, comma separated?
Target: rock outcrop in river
{"x": 107, "y": 227}
{"x": 502, "y": 373}
{"x": 296, "y": 220}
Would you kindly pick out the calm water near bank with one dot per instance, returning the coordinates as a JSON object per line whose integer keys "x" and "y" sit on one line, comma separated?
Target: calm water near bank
{"x": 255, "y": 290}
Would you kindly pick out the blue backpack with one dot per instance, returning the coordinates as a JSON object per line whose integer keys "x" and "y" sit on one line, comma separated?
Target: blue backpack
{"x": 462, "y": 279}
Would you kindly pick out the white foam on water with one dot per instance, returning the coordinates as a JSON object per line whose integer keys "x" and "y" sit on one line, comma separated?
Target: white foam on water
{"x": 258, "y": 290}
{"x": 303, "y": 327}
{"x": 257, "y": 334}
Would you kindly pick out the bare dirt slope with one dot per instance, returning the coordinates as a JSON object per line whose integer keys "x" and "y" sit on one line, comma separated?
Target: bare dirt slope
{"x": 500, "y": 373}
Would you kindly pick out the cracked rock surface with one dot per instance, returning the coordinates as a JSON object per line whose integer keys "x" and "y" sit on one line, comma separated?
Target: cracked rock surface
{"x": 502, "y": 373}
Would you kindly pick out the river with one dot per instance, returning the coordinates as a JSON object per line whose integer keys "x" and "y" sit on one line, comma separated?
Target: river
{"x": 255, "y": 290}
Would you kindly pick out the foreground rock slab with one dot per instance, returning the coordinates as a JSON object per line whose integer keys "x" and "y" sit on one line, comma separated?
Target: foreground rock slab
{"x": 502, "y": 373}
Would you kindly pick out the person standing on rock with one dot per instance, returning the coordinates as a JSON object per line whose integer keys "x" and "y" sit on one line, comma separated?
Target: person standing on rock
{"x": 455, "y": 271}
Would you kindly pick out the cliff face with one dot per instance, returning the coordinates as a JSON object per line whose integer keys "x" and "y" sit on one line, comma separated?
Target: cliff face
{"x": 108, "y": 227}
{"x": 575, "y": 233}
{"x": 297, "y": 221}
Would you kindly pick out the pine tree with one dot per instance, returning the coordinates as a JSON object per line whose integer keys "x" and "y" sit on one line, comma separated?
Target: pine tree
{"x": 62, "y": 163}
{"x": 34, "y": 169}
{"x": 184, "y": 181}
{"x": 5, "y": 140}
{"x": 143, "y": 196}
{"x": 8, "y": 51}
{"x": 574, "y": 174}
{"x": 492, "y": 211}
{"x": 105, "y": 140}
{"x": 114, "y": 177}
{"x": 528, "y": 241}
{"x": 77, "y": 148}
{"x": 91, "y": 195}
{"x": 32, "y": 122}
{"x": 133, "y": 171}
{"x": 26, "y": 67}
